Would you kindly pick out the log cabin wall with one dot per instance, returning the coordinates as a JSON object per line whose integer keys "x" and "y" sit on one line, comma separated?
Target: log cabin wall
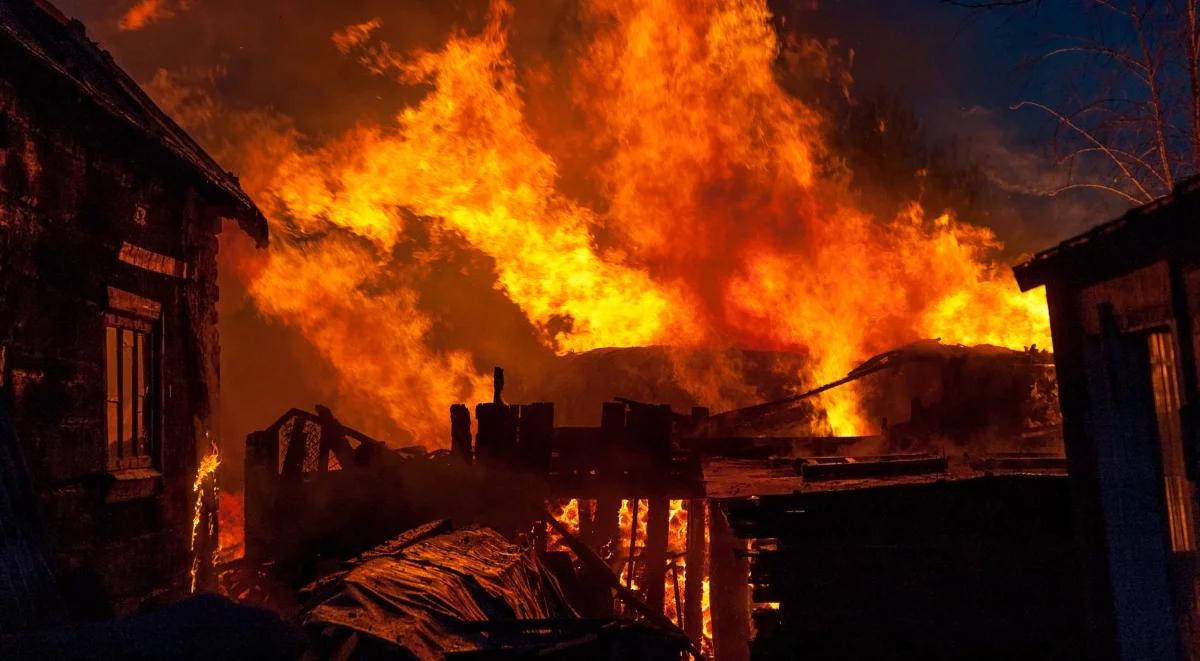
{"x": 94, "y": 218}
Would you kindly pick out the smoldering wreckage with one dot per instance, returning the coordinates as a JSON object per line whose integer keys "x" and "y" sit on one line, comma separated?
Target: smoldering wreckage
{"x": 962, "y": 529}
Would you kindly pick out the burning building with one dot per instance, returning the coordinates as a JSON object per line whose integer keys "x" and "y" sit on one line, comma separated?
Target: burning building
{"x": 606, "y": 251}
{"x": 1123, "y": 306}
{"x": 108, "y": 339}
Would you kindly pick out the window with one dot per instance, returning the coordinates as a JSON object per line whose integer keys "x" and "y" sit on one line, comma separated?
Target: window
{"x": 130, "y": 401}
{"x": 1179, "y": 492}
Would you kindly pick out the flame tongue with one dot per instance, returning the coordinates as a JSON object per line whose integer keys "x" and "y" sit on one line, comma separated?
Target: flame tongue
{"x": 719, "y": 219}
{"x": 204, "y": 490}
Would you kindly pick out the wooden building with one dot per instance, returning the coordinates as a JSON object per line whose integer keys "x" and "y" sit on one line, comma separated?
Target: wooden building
{"x": 1124, "y": 299}
{"x": 109, "y": 215}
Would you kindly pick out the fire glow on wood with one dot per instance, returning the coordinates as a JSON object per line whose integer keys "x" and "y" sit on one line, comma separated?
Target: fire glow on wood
{"x": 569, "y": 512}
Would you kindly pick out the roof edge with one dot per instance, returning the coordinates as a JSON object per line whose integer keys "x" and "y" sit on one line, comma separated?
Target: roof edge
{"x": 1049, "y": 263}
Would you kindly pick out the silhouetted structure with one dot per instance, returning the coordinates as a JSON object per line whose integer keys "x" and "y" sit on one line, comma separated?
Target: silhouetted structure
{"x": 1123, "y": 303}
{"x": 108, "y": 342}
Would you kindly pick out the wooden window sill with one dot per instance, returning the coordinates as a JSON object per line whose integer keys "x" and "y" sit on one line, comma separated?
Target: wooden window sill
{"x": 132, "y": 484}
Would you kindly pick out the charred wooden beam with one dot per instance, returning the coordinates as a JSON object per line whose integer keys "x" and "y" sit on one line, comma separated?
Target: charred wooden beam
{"x": 460, "y": 432}
{"x": 655, "y": 567}
{"x": 606, "y": 527}
{"x": 650, "y": 439}
{"x": 333, "y": 440}
{"x": 730, "y": 593}
{"x": 535, "y": 436}
{"x": 693, "y": 589}
{"x": 842, "y": 468}
{"x": 613, "y": 435}
{"x": 496, "y": 432}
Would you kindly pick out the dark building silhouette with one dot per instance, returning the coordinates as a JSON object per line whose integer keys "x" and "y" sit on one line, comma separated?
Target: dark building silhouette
{"x": 1123, "y": 299}
{"x": 109, "y": 215}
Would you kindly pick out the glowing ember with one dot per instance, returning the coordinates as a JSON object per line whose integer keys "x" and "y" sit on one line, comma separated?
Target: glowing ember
{"x": 567, "y": 514}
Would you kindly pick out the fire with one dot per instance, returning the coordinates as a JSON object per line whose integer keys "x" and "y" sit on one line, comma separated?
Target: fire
{"x": 232, "y": 515}
{"x": 204, "y": 488}
{"x": 569, "y": 512}
{"x": 705, "y": 208}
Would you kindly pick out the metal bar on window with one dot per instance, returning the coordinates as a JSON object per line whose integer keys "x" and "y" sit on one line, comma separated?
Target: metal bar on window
{"x": 120, "y": 392}
{"x": 111, "y": 396}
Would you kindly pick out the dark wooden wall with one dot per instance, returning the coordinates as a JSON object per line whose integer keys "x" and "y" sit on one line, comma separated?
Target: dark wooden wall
{"x": 1099, "y": 329}
{"x": 968, "y": 569}
{"x": 72, "y": 181}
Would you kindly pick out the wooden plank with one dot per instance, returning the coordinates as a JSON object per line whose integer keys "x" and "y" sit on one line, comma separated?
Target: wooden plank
{"x": 655, "y": 566}
{"x": 149, "y": 260}
{"x": 535, "y": 436}
{"x": 693, "y": 616}
{"x": 730, "y": 591}
{"x": 119, "y": 299}
{"x": 460, "y": 432}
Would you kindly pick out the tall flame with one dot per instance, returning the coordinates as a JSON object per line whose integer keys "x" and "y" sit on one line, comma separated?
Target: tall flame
{"x": 204, "y": 491}
{"x": 720, "y": 216}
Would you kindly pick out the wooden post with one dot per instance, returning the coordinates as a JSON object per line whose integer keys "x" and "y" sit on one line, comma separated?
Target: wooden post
{"x": 633, "y": 529}
{"x": 535, "y": 436}
{"x": 606, "y": 529}
{"x": 650, "y": 440}
{"x": 585, "y": 519}
{"x": 730, "y": 590}
{"x": 693, "y": 587}
{"x": 460, "y": 432}
{"x": 610, "y": 458}
{"x": 262, "y": 475}
{"x": 293, "y": 459}
{"x": 488, "y": 420}
{"x": 657, "y": 529}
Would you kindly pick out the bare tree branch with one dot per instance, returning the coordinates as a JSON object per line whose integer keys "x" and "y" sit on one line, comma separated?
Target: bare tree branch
{"x": 1105, "y": 149}
{"x": 1136, "y": 67}
{"x": 1155, "y": 96}
{"x": 1103, "y": 187}
{"x": 1192, "y": 40}
{"x": 1137, "y": 160}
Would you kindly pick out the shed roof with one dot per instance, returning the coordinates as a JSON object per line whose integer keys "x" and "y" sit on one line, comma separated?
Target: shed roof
{"x": 61, "y": 47}
{"x": 1167, "y": 226}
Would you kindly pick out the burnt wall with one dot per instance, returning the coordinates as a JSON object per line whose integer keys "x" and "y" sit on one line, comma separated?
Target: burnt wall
{"x": 75, "y": 185}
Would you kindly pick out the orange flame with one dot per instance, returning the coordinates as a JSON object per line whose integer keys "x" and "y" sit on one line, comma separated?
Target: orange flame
{"x": 204, "y": 485}
{"x": 568, "y": 513}
{"x": 719, "y": 217}
{"x": 232, "y": 537}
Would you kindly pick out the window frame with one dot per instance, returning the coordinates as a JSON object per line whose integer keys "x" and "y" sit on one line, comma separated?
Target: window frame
{"x": 1166, "y": 383}
{"x": 146, "y": 338}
